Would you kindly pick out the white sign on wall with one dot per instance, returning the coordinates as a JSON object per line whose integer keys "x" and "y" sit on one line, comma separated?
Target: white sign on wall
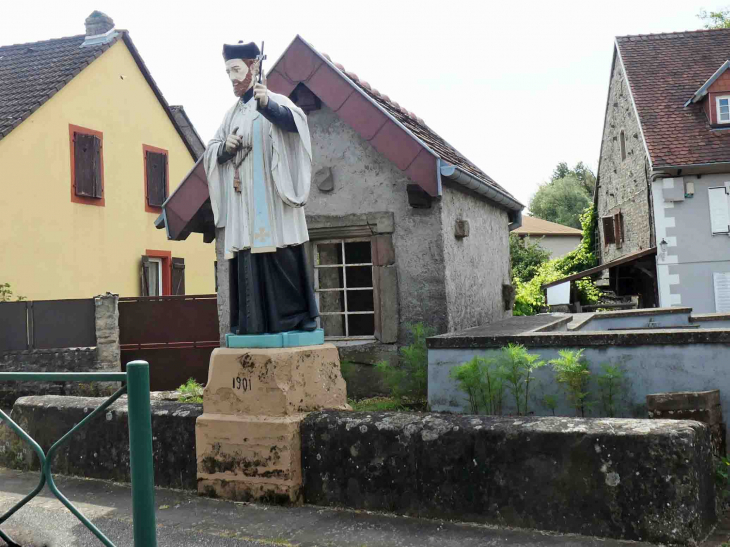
{"x": 719, "y": 211}
{"x": 722, "y": 291}
{"x": 559, "y": 294}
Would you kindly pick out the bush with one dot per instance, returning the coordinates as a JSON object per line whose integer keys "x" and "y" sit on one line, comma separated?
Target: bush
{"x": 482, "y": 382}
{"x": 526, "y": 257}
{"x": 409, "y": 378}
{"x": 610, "y": 385}
{"x": 190, "y": 392}
{"x": 529, "y": 296}
{"x": 516, "y": 368}
{"x": 571, "y": 370}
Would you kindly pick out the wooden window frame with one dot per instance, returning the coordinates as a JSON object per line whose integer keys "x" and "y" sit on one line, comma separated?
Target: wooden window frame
{"x": 148, "y": 148}
{"x": 618, "y": 229}
{"x": 99, "y": 202}
{"x": 166, "y": 257}
{"x": 717, "y": 109}
{"x": 344, "y": 289}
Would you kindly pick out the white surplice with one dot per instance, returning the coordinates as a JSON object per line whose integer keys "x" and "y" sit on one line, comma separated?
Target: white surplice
{"x": 287, "y": 172}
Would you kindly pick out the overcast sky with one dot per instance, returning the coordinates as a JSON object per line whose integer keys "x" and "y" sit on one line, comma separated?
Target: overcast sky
{"x": 515, "y": 86}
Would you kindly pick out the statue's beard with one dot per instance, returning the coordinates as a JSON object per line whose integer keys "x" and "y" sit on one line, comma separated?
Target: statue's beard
{"x": 241, "y": 86}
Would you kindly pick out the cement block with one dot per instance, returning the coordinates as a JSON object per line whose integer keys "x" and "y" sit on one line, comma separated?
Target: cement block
{"x": 683, "y": 400}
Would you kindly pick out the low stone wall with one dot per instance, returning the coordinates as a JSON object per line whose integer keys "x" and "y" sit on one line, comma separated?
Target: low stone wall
{"x": 649, "y": 480}
{"x": 101, "y": 449}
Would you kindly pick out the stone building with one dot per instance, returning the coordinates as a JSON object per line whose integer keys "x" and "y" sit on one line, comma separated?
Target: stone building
{"x": 426, "y": 228}
{"x": 663, "y": 176}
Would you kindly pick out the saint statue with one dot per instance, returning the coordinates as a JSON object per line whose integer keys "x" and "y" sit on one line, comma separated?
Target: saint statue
{"x": 259, "y": 167}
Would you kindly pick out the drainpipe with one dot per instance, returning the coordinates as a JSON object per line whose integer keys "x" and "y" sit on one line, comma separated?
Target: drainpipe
{"x": 499, "y": 197}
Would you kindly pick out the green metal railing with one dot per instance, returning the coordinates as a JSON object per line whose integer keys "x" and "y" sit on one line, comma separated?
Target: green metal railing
{"x": 136, "y": 382}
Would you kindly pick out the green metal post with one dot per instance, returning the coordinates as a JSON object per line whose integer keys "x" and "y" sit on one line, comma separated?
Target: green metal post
{"x": 140, "y": 452}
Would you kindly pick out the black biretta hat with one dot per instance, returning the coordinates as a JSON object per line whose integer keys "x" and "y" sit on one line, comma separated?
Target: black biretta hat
{"x": 240, "y": 51}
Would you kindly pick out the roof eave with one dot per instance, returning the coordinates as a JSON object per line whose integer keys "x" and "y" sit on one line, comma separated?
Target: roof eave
{"x": 493, "y": 194}
{"x": 702, "y": 91}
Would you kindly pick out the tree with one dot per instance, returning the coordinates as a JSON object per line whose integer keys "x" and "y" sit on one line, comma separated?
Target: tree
{"x": 562, "y": 200}
{"x": 715, "y": 19}
{"x": 581, "y": 171}
{"x": 527, "y": 256}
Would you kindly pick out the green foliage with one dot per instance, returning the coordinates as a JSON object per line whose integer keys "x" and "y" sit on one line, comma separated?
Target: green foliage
{"x": 722, "y": 478}
{"x": 527, "y": 256}
{"x": 715, "y": 19}
{"x": 571, "y": 371}
{"x": 611, "y": 383}
{"x": 6, "y": 293}
{"x": 565, "y": 196}
{"x": 409, "y": 378}
{"x": 550, "y": 402}
{"x": 481, "y": 380}
{"x": 377, "y": 404}
{"x": 529, "y": 296}
{"x": 347, "y": 368}
{"x": 516, "y": 368}
{"x": 190, "y": 392}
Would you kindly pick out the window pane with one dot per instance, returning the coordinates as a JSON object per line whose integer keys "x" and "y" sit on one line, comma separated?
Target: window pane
{"x": 361, "y": 325}
{"x": 724, "y": 109}
{"x": 330, "y": 278}
{"x": 357, "y": 252}
{"x": 154, "y": 279}
{"x": 359, "y": 276}
{"x": 333, "y": 325}
{"x": 723, "y": 102}
{"x": 328, "y": 253}
{"x": 360, "y": 301}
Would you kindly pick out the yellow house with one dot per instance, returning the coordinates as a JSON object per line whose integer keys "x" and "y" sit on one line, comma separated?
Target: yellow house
{"x": 88, "y": 147}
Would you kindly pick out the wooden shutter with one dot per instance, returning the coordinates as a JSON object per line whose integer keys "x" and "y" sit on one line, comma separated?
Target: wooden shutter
{"x": 87, "y": 165}
{"x": 156, "y": 178}
{"x": 618, "y": 230}
{"x": 144, "y": 276}
{"x": 609, "y": 235}
{"x": 178, "y": 276}
{"x": 719, "y": 213}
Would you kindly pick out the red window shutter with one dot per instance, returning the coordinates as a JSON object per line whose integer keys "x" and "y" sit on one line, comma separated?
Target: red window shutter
{"x": 156, "y": 178}
{"x": 618, "y": 232}
{"x": 609, "y": 235}
{"x": 144, "y": 276}
{"x": 87, "y": 165}
{"x": 178, "y": 276}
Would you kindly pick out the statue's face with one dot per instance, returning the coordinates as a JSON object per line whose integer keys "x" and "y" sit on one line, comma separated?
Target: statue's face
{"x": 241, "y": 73}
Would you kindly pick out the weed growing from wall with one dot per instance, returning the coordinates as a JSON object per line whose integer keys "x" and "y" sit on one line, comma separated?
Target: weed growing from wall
{"x": 611, "y": 384}
{"x": 190, "y": 392}
{"x": 483, "y": 383}
{"x": 571, "y": 371}
{"x": 409, "y": 378}
{"x": 516, "y": 368}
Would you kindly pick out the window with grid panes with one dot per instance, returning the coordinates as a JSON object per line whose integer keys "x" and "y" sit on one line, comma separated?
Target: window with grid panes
{"x": 343, "y": 284}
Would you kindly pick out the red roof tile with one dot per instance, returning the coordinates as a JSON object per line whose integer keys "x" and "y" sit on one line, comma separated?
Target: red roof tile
{"x": 664, "y": 71}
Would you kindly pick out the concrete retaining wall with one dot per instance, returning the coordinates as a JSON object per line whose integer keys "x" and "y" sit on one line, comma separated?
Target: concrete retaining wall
{"x": 649, "y": 480}
{"x": 101, "y": 449}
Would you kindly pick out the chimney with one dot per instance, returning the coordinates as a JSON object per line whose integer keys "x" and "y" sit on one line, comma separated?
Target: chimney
{"x": 98, "y": 23}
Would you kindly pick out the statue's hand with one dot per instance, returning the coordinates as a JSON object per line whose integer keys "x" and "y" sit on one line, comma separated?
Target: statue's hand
{"x": 259, "y": 93}
{"x": 233, "y": 142}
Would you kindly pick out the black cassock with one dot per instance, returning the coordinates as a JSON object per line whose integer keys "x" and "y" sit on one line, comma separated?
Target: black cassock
{"x": 271, "y": 292}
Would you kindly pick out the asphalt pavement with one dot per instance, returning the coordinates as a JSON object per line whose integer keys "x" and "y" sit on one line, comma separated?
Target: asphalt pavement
{"x": 186, "y": 520}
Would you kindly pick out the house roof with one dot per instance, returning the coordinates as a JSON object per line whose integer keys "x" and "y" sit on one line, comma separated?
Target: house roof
{"x": 32, "y": 73}
{"x": 664, "y": 71}
{"x": 538, "y": 227}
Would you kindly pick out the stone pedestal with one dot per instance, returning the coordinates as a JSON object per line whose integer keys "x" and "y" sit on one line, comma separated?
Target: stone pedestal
{"x": 248, "y": 440}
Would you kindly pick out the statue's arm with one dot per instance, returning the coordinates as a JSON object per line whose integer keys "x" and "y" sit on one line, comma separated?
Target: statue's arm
{"x": 279, "y": 115}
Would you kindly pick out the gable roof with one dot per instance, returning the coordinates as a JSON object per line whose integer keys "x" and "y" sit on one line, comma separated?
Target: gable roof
{"x": 32, "y": 73}
{"x": 532, "y": 226}
{"x": 663, "y": 71}
{"x": 395, "y": 132}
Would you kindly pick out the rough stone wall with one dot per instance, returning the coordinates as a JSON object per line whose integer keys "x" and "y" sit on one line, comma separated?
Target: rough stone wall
{"x": 108, "y": 354}
{"x": 224, "y": 310}
{"x": 648, "y": 480}
{"x": 50, "y": 360}
{"x": 623, "y": 184}
{"x": 101, "y": 449}
{"x": 366, "y": 182}
{"x": 477, "y": 265}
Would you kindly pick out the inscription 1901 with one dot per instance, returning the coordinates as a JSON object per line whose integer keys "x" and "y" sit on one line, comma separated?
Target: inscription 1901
{"x": 244, "y": 384}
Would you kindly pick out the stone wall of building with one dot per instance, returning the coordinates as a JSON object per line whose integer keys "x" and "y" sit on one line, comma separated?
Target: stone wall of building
{"x": 623, "y": 184}
{"x": 476, "y": 265}
{"x": 366, "y": 182}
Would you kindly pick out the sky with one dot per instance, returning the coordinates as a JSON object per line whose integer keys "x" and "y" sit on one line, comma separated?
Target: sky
{"x": 516, "y": 87}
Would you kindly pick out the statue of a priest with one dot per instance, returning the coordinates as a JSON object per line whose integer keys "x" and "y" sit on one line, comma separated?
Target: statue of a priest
{"x": 259, "y": 167}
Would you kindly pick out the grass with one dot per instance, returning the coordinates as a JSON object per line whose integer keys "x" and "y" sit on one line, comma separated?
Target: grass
{"x": 377, "y": 404}
{"x": 191, "y": 392}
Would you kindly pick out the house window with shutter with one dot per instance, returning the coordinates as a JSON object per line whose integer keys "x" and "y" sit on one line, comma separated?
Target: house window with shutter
{"x": 609, "y": 232}
{"x": 87, "y": 165}
{"x": 156, "y": 178}
{"x": 160, "y": 274}
{"x": 719, "y": 210}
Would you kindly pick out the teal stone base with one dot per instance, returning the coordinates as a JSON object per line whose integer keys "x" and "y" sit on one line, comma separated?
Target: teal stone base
{"x": 290, "y": 339}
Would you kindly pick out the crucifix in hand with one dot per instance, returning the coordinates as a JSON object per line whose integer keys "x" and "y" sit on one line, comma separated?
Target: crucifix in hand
{"x": 244, "y": 150}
